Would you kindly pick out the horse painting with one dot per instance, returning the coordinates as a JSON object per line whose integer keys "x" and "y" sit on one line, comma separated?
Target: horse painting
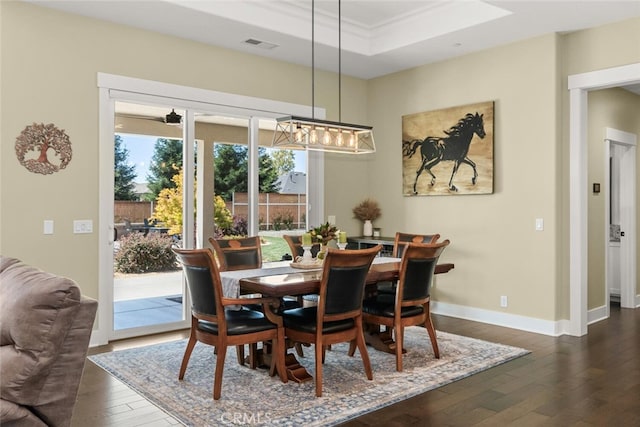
{"x": 452, "y": 147}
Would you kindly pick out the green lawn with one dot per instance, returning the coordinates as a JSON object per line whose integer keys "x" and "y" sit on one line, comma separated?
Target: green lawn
{"x": 274, "y": 248}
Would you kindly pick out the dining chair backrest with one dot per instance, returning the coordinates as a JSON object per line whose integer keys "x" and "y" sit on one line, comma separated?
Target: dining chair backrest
{"x": 203, "y": 282}
{"x": 403, "y": 239}
{"x": 343, "y": 281}
{"x": 238, "y": 254}
{"x": 417, "y": 269}
{"x": 295, "y": 244}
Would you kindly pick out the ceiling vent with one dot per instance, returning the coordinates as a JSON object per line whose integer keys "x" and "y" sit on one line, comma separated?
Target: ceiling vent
{"x": 260, "y": 44}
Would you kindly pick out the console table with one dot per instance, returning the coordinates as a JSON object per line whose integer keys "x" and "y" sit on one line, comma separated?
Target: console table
{"x": 361, "y": 242}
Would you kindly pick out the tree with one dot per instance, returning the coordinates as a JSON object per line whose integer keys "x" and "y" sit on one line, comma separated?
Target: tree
{"x": 168, "y": 207}
{"x": 284, "y": 161}
{"x": 167, "y": 157}
{"x": 124, "y": 174}
{"x": 267, "y": 172}
{"x": 231, "y": 170}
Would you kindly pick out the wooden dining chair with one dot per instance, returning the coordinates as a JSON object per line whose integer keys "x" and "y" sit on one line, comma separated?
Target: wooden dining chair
{"x": 410, "y": 305}
{"x": 212, "y": 324}
{"x": 295, "y": 244}
{"x": 238, "y": 254}
{"x": 338, "y": 315}
{"x": 400, "y": 243}
{"x": 403, "y": 239}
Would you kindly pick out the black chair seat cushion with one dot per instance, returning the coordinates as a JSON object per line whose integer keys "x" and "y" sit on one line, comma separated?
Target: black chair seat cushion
{"x": 386, "y": 288}
{"x": 304, "y": 319}
{"x": 384, "y": 305}
{"x": 240, "y": 322}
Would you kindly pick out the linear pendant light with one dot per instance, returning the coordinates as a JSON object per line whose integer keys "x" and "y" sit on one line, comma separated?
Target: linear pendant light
{"x": 324, "y": 135}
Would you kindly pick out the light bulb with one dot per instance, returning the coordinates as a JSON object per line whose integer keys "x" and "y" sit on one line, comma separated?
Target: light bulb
{"x": 339, "y": 139}
{"x": 298, "y": 134}
{"x": 313, "y": 136}
{"x": 352, "y": 139}
{"x": 326, "y": 138}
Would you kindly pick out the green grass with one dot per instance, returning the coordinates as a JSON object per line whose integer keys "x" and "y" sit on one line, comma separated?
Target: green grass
{"x": 274, "y": 248}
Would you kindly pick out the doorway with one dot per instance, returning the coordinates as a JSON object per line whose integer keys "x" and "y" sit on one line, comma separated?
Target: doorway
{"x": 579, "y": 85}
{"x": 620, "y": 215}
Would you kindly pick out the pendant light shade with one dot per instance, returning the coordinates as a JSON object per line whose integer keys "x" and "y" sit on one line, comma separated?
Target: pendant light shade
{"x": 323, "y": 135}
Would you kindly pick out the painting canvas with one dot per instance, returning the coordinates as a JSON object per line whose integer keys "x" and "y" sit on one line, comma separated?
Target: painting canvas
{"x": 448, "y": 151}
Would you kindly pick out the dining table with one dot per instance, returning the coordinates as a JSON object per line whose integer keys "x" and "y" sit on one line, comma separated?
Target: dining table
{"x": 281, "y": 279}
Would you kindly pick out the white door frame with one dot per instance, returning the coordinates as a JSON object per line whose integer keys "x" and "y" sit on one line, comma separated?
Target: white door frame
{"x": 579, "y": 85}
{"x": 627, "y": 202}
{"x": 112, "y": 87}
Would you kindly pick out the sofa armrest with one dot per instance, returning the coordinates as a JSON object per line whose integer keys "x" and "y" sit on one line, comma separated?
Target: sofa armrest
{"x": 45, "y": 327}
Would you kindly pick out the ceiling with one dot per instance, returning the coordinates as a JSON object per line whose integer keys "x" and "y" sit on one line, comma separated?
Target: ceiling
{"x": 378, "y": 37}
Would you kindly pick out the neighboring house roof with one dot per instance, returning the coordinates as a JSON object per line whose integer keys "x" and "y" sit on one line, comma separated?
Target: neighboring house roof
{"x": 141, "y": 188}
{"x": 293, "y": 183}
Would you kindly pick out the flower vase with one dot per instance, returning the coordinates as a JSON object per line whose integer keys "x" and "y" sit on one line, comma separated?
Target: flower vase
{"x": 367, "y": 229}
{"x": 321, "y": 251}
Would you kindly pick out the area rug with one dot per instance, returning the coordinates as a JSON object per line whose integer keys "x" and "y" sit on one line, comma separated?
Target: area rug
{"x": 252, "y": 397}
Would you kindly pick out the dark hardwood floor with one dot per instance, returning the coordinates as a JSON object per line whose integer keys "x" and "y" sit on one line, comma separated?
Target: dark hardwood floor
{"x": 566, "y": 381}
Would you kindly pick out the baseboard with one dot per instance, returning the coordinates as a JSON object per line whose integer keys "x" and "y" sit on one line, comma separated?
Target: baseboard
{"x": 98, "y": 337}
{"x": 513, "y": 321}
{"x": 597, "y": 314}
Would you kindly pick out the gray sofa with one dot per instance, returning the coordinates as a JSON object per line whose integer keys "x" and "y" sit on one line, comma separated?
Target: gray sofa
{"x": 45, "y": 327}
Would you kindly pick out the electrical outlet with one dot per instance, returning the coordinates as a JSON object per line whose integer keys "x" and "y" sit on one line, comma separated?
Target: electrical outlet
{"x": 331, "y": 219}
{"x": 503, "y": 301}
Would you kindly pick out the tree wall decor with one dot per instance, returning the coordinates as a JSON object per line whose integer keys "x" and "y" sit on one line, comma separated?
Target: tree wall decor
{"x": 43, "y": 149}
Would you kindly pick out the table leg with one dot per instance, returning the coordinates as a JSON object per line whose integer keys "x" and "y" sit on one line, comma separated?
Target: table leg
{"x": 294, "y": 370}
{"x": 380, "y": 340}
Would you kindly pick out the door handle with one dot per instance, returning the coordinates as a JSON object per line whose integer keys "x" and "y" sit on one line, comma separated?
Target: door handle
{"x": 622, "y": 234}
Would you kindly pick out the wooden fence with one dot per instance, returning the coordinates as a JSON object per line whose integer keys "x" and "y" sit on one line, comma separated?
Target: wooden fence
{"x": 275, "y": 211}
{"x": 135, "y": 212}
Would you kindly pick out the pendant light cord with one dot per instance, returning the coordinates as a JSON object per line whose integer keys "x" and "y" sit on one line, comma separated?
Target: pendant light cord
{"x": 313, "y": 60}
{"x": 339, "y": 60}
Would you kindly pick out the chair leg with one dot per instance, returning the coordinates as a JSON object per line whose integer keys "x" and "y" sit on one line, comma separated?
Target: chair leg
{"x": 362, "y": 347}
{"x": 187, "y": 354}
{"x": 352, "y": 348}
{"x": 240, "y": 354}
{"x": 399, "y": 337}
{"x": 217, "y": 380}
{"x": 319, "y": 360}
{"x": 298, "y": 348}
{"x": 428, "y": 323}
{"x": 253, "y": 355}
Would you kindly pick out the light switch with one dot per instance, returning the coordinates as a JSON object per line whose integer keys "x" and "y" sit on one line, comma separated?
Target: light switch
{"x": 539, "y": 224}
{"x": 331, "y": 219}
{"x": 82, "y": 226}
{"x": 48, "y": 226}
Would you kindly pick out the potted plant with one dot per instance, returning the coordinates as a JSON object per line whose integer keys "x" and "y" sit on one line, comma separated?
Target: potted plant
{"x": 367, "y": 211}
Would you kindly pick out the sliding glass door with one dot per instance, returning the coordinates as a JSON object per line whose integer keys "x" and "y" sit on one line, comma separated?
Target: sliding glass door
{"x": 216, "y": 159}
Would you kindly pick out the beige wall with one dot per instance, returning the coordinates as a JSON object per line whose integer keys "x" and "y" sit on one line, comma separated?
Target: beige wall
{"x": 48, "y": 72}
{"x": 494, "y": 244}
{"x": 619, "y": 109}
{"x": 50, "y": 61}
